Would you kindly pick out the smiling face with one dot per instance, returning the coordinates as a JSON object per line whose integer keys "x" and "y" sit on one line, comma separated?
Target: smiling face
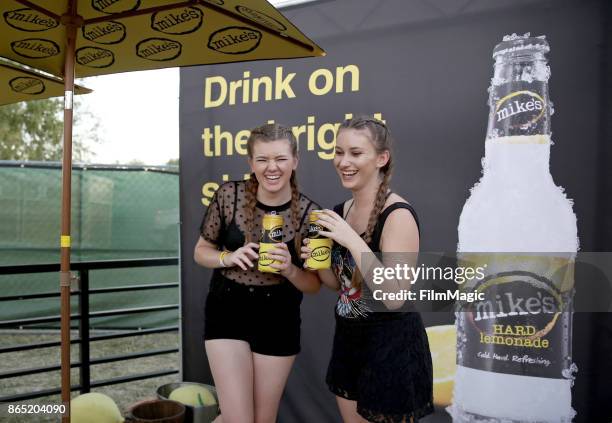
{"x": 356, "y": 159}
{"x": 272, "y": 162}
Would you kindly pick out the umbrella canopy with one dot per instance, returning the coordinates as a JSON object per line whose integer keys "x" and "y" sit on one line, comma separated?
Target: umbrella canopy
{"x": 97, "y": 37}
{"x": 126, "y": 35}
{"x": 19, "y": 84}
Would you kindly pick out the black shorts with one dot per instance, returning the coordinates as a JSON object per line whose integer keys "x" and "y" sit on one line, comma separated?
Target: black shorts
{"x": 267, "y": 317}
{"x": 384, "y": 365}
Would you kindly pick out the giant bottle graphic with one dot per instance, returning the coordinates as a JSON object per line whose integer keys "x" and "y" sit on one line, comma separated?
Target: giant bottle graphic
{"x": 514, "y": 349}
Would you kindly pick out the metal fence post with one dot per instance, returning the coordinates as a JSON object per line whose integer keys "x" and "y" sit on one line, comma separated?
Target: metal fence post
{"x": 84, "y": 373}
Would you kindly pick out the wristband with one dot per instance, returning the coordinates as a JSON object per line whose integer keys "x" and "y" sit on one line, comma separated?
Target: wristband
{"x": 221, "y": 257}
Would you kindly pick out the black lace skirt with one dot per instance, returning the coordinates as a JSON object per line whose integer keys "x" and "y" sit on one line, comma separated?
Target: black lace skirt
{"x": 384, "y": 365}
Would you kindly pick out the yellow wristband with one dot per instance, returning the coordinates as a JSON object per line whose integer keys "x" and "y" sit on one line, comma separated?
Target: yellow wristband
{"x": 221, "y": 257}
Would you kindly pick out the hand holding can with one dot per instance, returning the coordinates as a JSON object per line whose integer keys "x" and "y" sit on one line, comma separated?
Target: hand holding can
{"x": 319, "y": 245}
{"x": 271, "y": 236}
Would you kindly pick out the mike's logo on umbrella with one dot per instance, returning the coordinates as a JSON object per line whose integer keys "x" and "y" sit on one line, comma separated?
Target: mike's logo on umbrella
{"x": 95, "y": 57}
{"x": 261, "y": 18}
{"x": 234, "y": 40}
{"x": 158, "y": 49}
{"x": 110, "y": 32}
{"x": 27, "y": 85}
{"x": 35, "y": 48}
{"x": 177, "y": 21}
{"x": 29, "y": 20}
{"x": 115, "y": 6}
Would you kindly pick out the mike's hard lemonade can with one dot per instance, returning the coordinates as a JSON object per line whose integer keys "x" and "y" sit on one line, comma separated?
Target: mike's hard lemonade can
{"x": 271, "y": 234}
{"x": 320, "y": 257}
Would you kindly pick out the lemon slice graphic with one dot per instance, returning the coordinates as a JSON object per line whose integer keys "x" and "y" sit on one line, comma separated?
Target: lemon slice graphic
{"x": 442, "y": 343}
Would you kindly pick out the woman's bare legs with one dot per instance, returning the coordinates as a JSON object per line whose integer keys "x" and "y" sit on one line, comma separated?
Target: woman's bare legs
{"x": 231, "y": 363}
{"x": 348, "y": 411}
{"x": 270, "y": 377}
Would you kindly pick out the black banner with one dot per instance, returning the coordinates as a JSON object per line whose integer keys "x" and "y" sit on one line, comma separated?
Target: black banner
{"x": 424, "y": 67}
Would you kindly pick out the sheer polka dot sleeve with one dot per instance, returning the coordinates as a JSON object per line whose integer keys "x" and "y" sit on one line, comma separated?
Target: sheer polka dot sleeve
{"x": 213, "y": 222}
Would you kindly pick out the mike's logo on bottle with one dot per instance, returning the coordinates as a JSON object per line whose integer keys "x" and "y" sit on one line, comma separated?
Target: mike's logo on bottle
{"x": 521, "y": 324}
{"x": 517, "y": 294}
{"x": 29, "y": 20}
{"x": 522, "y": 108}
{"x": 28, "y": 85}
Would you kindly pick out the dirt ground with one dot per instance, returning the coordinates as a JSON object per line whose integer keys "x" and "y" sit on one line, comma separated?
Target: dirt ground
{"x": 123, "y": 394}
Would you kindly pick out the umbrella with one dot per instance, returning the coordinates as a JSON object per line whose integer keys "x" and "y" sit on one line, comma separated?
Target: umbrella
{"x": 96, "y": 37}
{"x": 19, "y": 84}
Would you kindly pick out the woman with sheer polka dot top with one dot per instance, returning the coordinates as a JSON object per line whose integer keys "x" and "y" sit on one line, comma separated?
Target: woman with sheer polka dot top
{"x": 252, "y": 319}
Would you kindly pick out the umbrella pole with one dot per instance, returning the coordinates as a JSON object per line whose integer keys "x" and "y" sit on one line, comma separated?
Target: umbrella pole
{"x": 69, "y": 65}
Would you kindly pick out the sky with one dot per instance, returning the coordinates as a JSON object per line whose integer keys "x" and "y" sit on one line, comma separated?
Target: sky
{"x": 138, "y": 114}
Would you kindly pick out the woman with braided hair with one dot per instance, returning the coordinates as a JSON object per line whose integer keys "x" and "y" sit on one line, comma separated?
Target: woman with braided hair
{"x": 380, "y": 369}
{"x": 252, "y": 319}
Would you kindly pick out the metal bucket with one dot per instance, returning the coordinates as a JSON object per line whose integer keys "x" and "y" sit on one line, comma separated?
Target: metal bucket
{"x": 205, "y": 414}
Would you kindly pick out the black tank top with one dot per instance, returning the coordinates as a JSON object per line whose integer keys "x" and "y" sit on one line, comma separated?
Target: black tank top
{"x": 351, "y": 303}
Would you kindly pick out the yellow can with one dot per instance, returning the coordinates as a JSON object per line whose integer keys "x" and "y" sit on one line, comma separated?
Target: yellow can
{"x": 320, "y": 257}
{"x": 271, "y": 234}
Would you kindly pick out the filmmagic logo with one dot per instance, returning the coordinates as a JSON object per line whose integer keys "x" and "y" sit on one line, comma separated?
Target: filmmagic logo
{"x": 525, "y": 107}
{"x": 158, "y": 49}
{"x": 95, "y": 57}
{"x": 29, "y": 20}
{"x": 234, "y": 40}
{"x": 261, "y": 18}
{"x": 177, "y": 22}
{"x": 35, "y": 48}
{"x": 115, "y": 6}
{"x": 27, "y": 85}
{"x": 110, "y": 32}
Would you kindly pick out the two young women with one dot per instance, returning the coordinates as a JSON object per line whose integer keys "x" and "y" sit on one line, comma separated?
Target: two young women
{"x": 380, "y": 370}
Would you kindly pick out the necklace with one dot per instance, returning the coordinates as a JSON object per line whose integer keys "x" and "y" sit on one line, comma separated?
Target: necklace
{"x": 349, "y": 209}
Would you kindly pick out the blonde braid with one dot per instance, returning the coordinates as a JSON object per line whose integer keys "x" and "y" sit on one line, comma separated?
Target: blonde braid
{"x": 382, "y": 141}
{"x": 250, "y": 204}
{"x": 295, "y": 212}
{"x": 379, "y": 204}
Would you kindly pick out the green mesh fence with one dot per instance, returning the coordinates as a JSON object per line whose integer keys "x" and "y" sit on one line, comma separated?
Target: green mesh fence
{"x": 117, "y": 213}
